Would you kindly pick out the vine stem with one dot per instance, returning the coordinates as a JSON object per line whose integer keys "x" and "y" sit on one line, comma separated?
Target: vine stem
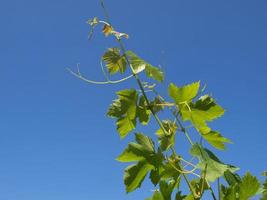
{"x": 148, "y": 103}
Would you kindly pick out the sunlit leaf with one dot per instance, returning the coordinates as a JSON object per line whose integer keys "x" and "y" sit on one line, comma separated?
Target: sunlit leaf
{"x": 135, "y": 174}
{"x": 243, "y": 189}
{"x": 114, "y": 61}
{"x": 125, "y": 125}
{"x": 124, "y": 109}
{"x": 141, "y": 150}
{"x": 215, "y": 168}
{"x": 139, "y": 64}
{"x": 216, "y": 139}
{"x": 248, "y": 187}
{"x": 205, "y": 109}
{"x": 185, "y": 93}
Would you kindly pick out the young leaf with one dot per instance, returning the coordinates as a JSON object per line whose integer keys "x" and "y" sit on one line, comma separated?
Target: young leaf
{"x": 107, "y": 30}
{"x": 139, "y": 64}
{"x": 215, "y": 168}
{"x": 114, "y": 61}
{"x": 135, "y": 174}
{"x": 185, "y": 93}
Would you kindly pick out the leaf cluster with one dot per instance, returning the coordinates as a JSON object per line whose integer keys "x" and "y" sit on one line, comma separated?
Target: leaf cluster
{"x": 159, "y": 159}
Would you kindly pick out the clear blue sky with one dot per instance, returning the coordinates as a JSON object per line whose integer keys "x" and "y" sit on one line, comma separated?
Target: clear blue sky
{"x": 55, "y": 141}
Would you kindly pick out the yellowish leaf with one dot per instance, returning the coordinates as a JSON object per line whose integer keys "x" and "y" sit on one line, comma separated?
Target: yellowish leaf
{"x": 107, "y": 30}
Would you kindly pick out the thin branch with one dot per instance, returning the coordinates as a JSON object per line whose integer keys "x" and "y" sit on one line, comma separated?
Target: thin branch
{"x": 103, "y": 70}
{"x": 204, "y": 179}
{"x": 188, "y": 162}
{"x": 219, "y": 188}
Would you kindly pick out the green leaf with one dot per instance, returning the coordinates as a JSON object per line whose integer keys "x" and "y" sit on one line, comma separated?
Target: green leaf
{"x": 166, "y": 189}
{"x": 125, "y": 104}
{"x": 215, "y": 168}
{"x": 185, "y": 93}
{"x": 124, "y": 109}
{"x": 145, "y": 141}
{"x": 203, "y": 110}
{"x": 135, "y": 174}
{"x": 156, "y": 196}
{"x": 216, "y": 139}
{"x": 143, "y": 112}
{"x": 125, "y": 125}
{"x": 115, "y": 110}
{"x": 167, "y": 140}
{"x": 248, "y": 187}
{"x": 230, "y": 193}
{"x": 132, "y": 153}
{"x": 128, "y": 99}
{"x": 148, "y": 159}
{"x": 139, "y": 64}
{"x": 154, "y": 176}
{"x": 154, "y": 72}
{"x": 232, "y": 178}
{"x": 114, "y": 61}
{"x": 207, "y": 108}
{"x": 241, "y": 189}
{"x": 143, "y": 149}
{"x": 169, "y": 172}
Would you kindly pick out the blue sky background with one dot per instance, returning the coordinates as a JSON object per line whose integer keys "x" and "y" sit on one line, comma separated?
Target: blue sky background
{"x": 55, "y": 141}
